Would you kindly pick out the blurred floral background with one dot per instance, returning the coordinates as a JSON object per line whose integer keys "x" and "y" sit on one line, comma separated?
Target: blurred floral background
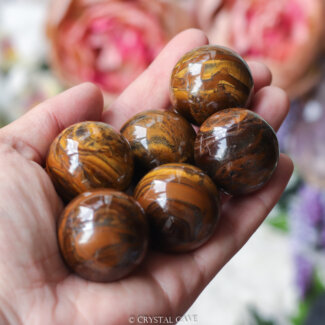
{"x": 47, "y": 46}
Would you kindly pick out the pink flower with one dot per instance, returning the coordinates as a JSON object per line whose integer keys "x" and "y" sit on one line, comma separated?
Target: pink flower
{"x": 285, "y": 34}
{"x": 110, "y": 42}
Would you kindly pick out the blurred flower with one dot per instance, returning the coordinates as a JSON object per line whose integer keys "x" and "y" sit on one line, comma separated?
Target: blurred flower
{"x": 25, "y": 79}
{"x": 110, "y": 42}
{"x": 307, "y": 217}
{"x": 7, "y": 54}
{"x": 284, "y": 133}
{"x": 307, "y": 227}
{"x": 304, "y": 274}
{"x": 24, "y": 87}
{"x": 285, "y": 34}
{"x": 305, "y": 142}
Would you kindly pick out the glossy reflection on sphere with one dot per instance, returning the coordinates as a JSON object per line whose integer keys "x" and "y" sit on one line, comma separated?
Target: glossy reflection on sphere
{"x": 159, "y": 137}
{"x": 238, "y": 149}
{"x": 208, "y": 79}
{"x": 89, "y": 155}
{"x": 182, "y": 205}
{"x": 103, "y": 235}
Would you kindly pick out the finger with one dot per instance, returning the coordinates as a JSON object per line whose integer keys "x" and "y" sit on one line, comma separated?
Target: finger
{"x": 239, "y": 220}
{"x": 151, "y": 89}
{"x": 272, "y": 103}
{"x": 261, "y": 74}
{"x": 33, "y": 133}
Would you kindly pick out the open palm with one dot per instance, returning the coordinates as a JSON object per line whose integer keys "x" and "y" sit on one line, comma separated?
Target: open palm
{"x": 35, "y": 286}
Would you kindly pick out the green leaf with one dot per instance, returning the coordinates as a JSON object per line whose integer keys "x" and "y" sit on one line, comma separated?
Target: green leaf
{"x": 279, "y": 221}
{"x": 257, "y": 319}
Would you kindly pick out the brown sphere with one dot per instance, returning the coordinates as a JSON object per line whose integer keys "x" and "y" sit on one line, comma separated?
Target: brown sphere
{"x": 182, "y": 206}
{"x": 238, "y": 149}
{"x": 159, "y": 137}
{"x": 103, "y": 235}
{"x": 208, "y": 79}
{"x": 89, "y": 155}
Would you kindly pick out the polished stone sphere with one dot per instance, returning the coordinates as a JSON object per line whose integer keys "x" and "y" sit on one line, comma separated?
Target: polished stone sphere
{"x": 182, "y": 206}
{"x": 103, "y": 235}
{"x": 158, "y": 137}
{"x": 89, "y": 155}
{"x": 208, "y": 79}
{"x": 238, "y": 149}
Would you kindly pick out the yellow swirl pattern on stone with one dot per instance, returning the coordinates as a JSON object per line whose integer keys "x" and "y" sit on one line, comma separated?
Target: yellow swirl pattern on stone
{"x": 182, "y": 206}
{"x": 209, "y": 79}
{"x": 103, "y": 235}
{"x": 159, "y": 137}
{"x": 89, "y": 155}
{"x": 238, "y": 149}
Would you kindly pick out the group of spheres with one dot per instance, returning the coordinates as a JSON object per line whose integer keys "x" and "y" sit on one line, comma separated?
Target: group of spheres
{"x": 171, "y": 175}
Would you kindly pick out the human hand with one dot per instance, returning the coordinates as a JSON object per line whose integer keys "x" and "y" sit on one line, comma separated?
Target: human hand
{"x": 35, "y": 286}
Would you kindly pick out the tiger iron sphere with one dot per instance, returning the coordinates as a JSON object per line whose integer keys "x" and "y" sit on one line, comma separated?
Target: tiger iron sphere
{"x": 89, "y": 155}
{"x": 103, "y": 235}
{"x": 182, "y": 205}
{"x": 159, "y": 137}
{"x": 208, "y": 79}
{"x": 238, "y": 149}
